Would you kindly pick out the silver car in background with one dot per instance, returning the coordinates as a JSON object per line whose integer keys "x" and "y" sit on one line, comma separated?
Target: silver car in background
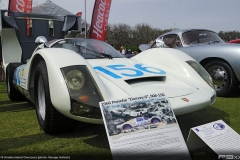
{"x": 220, "y": 59}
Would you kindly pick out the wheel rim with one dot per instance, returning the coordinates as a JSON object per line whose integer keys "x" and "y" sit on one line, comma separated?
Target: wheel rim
{"x": 41, "y": 98}
{"x": 219, "y": 76}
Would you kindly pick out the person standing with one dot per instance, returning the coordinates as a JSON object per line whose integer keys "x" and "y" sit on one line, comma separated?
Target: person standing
{"x": 123, "y": 50}
{"x": 2, "y": 73}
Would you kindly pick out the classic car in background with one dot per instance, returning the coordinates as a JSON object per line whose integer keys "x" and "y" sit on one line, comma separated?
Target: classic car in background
{"x": 219, "y": 58}
{"x": 235, "y": 41}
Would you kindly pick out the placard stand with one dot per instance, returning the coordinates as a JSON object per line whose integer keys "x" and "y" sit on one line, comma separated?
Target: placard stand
{"x": 221, "y": 138}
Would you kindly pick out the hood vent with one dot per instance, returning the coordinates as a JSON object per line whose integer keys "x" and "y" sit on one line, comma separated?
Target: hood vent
{"x": 146, "y": 79}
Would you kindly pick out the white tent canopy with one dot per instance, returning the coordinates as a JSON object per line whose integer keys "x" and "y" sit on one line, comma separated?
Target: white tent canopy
{"x": 49, "y": 7}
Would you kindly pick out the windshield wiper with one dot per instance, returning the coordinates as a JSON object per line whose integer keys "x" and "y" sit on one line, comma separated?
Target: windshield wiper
{"x": 106, "y": 55}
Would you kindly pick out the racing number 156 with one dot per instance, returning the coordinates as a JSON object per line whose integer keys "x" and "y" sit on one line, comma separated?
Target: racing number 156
{"x": 138, "y": 70}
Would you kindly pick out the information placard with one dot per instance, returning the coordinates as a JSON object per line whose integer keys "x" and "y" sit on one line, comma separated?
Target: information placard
{"x": 221, "y": 138}
{"x": 143, "y": 128}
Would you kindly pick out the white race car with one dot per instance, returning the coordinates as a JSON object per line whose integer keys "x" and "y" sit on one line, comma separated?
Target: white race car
{"x": 128, "y": 113}
{"x": 67, "y": 78}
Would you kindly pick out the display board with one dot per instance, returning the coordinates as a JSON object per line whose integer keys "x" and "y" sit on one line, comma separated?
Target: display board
{"x": 143, "y": 128}
{"x": 221, "y": 138}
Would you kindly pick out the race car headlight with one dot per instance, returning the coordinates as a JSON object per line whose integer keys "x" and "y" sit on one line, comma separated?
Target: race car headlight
{"x": 84, "y": 92}
{"x": 75, "y": 79}
{"x": 202, "y": 72}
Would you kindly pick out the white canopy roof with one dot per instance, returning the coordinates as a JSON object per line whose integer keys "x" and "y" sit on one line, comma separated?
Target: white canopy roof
{"x": 49, "y": 7}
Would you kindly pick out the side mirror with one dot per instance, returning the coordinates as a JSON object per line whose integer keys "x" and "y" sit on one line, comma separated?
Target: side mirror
{"x": 160, "y": 43}
{"x": 41, "y": 40}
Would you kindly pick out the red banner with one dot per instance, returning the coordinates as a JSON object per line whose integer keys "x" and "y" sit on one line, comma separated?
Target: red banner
{"x": 100, "y": 16}
{"x": 21, "y": 6}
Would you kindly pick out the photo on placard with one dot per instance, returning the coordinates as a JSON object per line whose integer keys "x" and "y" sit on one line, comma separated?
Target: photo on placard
{"x": 137, "y": 116}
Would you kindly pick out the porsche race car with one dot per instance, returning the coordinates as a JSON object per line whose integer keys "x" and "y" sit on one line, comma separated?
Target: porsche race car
{"x": 69, "y": 77}
{"x": 133, "y": 124}
{"x": 66, "y": 78}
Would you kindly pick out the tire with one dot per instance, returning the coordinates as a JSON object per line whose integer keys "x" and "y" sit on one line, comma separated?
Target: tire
{"x": 13, "y": 93}
{"x": 49, "y": 119}
{"x": 224, "y": 79}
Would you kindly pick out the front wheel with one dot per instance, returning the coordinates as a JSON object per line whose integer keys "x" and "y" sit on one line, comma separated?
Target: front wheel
{"x": 224, "y": 79}
{"x": 49, "y": 119}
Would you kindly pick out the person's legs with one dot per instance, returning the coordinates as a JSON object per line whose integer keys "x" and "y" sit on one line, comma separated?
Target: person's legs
{"x": 2, "y": 75}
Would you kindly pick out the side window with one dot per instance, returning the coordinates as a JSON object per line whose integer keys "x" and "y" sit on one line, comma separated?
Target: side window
{"x": 178, "y": 42}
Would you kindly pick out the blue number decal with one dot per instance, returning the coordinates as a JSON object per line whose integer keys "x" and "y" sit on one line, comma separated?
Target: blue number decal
{"x": 107, "y": 72}
{"x": 138, "y": 70}
{"x": 146, "y": 69}
{"x": 121, "y": 67}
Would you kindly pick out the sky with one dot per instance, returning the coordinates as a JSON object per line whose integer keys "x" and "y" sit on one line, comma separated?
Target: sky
{"x": 216, "y": 15}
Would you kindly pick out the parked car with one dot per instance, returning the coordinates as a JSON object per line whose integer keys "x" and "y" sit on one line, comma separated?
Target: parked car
{"x": 128, "y": 113}
{"x": 237, "y": 41}
{"x": 66, "y": 77}
{"x": 139, "y": 122}
{"x": 219, "y": 58}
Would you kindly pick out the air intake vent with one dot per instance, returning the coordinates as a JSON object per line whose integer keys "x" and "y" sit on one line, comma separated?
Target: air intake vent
{"x": 147, "y": 79}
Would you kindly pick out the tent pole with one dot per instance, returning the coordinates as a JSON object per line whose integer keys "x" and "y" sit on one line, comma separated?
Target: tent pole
{"x": 85, "y": 22}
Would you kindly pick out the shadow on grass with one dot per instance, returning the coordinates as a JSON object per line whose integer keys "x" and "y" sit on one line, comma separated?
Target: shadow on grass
{"x": 99, "y": 141}
{"x": 95, "y": 134}
{"x": 15, "y": 143}
{"x": 3, "y": 91}
{"x": 15, "y": 107}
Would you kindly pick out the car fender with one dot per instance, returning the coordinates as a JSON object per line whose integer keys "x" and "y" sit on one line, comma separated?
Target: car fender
{"x": 56, "y": 58}
{"x": 174, "y": 63}
{"x": 227, "y": 52}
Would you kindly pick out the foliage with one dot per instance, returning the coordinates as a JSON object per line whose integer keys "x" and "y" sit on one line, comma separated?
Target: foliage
{"x": 227, "y": 36}
{"x": 20, "y": 134}
{"x": 133, "y": 48}
{"x": 125, "y": 35}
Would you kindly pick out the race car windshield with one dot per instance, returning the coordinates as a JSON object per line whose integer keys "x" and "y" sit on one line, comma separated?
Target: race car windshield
{"x": 89, "y": 48}
{"x": 200, "y": 36}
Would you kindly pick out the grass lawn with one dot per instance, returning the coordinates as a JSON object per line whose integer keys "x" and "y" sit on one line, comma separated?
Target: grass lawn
{"x": 20, "y": 134}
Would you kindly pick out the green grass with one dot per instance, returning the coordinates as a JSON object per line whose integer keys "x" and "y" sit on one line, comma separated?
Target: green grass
{"x": 20, "y": 134}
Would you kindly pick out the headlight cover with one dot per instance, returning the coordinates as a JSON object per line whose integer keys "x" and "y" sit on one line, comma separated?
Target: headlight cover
{"x": 84, "y": 92}
{"x": 202, "y": 72}
{"x": 75, "y": 79}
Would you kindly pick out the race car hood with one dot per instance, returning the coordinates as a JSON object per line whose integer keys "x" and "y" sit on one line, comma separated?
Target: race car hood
{"x": 125, "y": 76}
